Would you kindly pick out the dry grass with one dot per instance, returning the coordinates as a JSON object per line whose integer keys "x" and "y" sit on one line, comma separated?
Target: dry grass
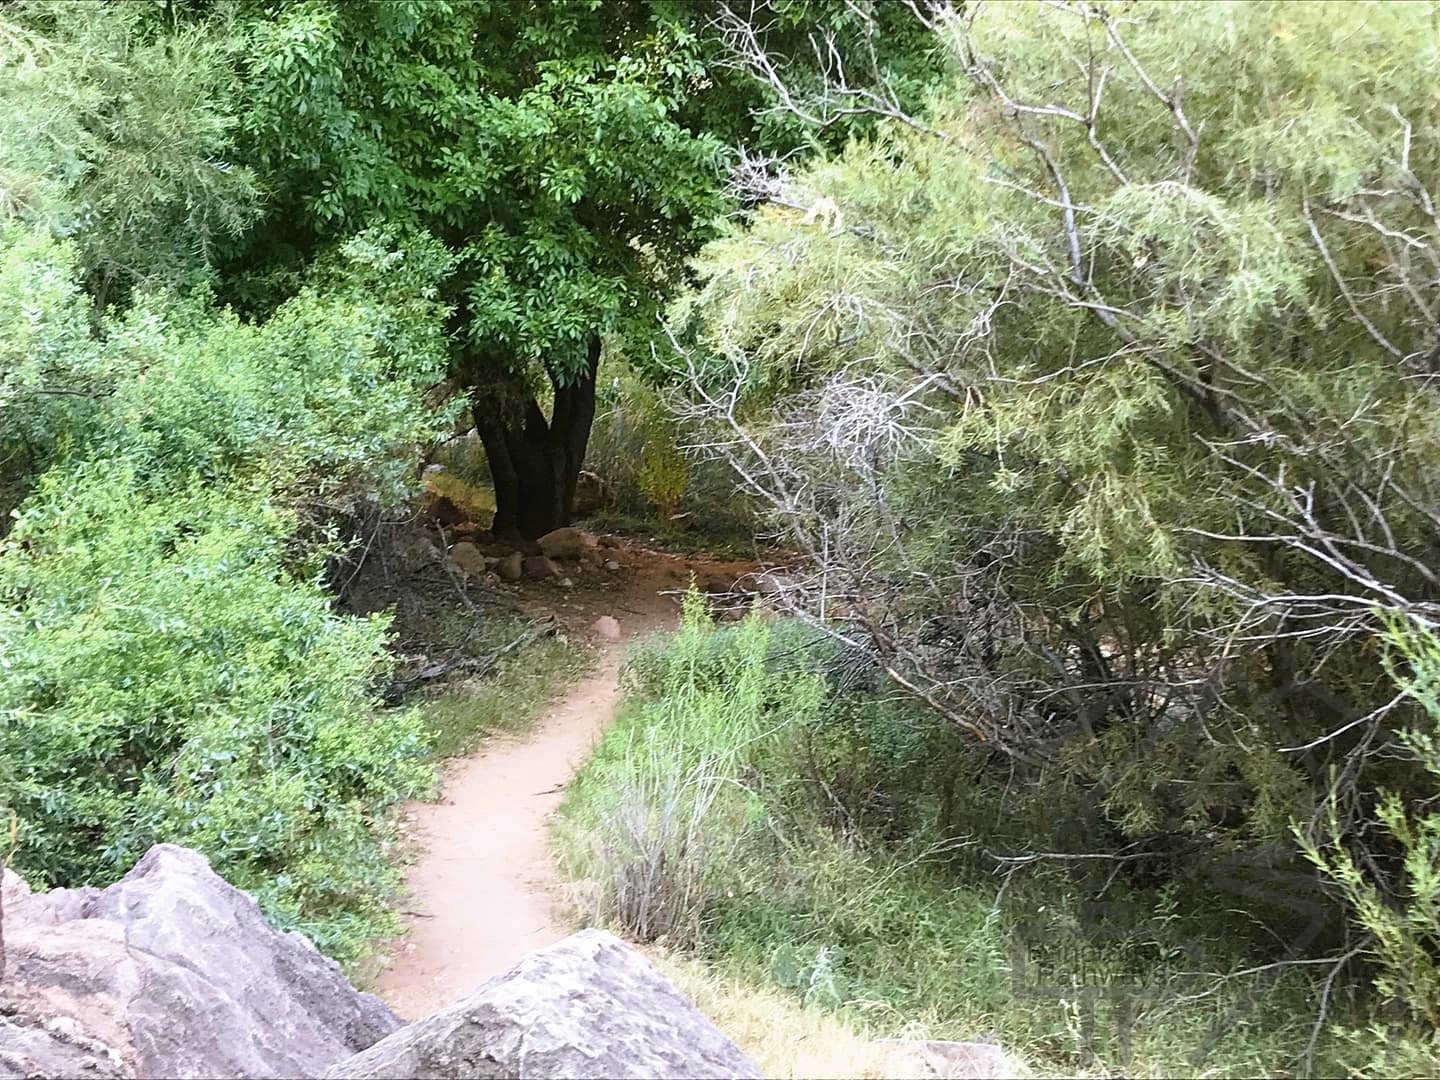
{"x": 787, "y": 1039}
{"x": 476, "y": 501}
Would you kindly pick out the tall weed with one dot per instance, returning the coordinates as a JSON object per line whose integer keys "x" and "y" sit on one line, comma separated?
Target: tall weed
{"x": 668, "y": 802}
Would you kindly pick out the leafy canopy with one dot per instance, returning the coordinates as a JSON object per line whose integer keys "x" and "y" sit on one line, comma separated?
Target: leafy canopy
{"x": 542, "y": 143}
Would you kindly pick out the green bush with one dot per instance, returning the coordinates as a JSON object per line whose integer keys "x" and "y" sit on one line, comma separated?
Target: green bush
{"x": 46, "y": 358}
{"x": 1078, "y": 389}
{"x": 173, "y": 669}
{"x": 169, "y": 680}
{"x": 1395, "y": 899}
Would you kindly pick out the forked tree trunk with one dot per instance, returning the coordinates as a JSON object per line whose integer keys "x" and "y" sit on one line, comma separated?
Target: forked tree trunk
{"x": 535, "y": 462}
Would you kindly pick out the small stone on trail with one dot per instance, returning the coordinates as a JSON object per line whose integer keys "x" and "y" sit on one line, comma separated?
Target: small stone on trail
{"x": 606, "y": 628}
{"x": 566, "y": 543}
{"x": 612, "y": 565}
{"x": 566, "y": 583}
{"x": 538, "y": 566}
{"x": 511, "y": 567}
{"x": 467, "y": 556}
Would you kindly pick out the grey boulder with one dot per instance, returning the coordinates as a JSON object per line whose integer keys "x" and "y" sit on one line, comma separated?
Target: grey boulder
{"x": 539, "y": 566}
{"x": 468, "y": 558}
{"x": 567, "y": 543}
{"x": 170, "y": 972}
{"x": 588, "y": 1006}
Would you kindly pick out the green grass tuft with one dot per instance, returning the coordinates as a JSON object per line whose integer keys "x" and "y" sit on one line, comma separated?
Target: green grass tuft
{"x": 509, "y": 700}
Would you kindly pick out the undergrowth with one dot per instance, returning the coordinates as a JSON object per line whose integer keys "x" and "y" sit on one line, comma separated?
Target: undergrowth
{"x": 765, "y": 805}
{"x": 464, "y": 479}
{"x": 508, "y": 700}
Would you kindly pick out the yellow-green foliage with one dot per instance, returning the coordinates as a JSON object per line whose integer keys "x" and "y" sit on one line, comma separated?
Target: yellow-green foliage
{"x": 662, "y": 469}
{"x": 1403, "y": 939}
{"x": 795, "y": 840}
{"x": 1123, "y": 448}
{"x": 1157, "y": 385}
{"x": 1097, "y": 437}
{"x": 475, "y": 501}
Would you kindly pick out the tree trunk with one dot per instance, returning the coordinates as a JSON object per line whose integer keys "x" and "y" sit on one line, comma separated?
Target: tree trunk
{"x": 534, "y": 462}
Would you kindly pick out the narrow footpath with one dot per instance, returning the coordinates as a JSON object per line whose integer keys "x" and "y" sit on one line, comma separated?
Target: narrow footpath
{"x": 483, "y": 890}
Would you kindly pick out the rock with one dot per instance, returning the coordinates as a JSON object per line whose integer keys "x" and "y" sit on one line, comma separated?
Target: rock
{"x": 591, "y": 493}
{"x": 947, "y": 1060}
{"x": 467, "y": 556}
{"x": 566, "y": 583}
{"x": 611, "y": 565}
{"x": 566, "y": 543}
{"x": 434, "y": 467}
{"x": 170, "y": 972}
{"x": 587, "y": 1006}
{"x": 606, "y": 628}
{"x": 538, "y": 566}
{"x": 418, "y": 553}
{"x": 32, "y": 1046}
{"x": 511, "y": 567}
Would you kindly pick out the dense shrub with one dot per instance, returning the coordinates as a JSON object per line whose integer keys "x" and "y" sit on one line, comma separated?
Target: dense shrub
{"x": 1101, "y": 396}
{"x": 172, "y": 668}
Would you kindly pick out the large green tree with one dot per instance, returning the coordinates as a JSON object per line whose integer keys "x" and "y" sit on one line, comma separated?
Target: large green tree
{"x": 542, "y": 143}
{"x": 570, "y": 154}
{"x": 115, "y": 135}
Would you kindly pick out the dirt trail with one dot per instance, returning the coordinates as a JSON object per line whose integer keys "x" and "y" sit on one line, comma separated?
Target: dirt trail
{"x": 482, "y": 892}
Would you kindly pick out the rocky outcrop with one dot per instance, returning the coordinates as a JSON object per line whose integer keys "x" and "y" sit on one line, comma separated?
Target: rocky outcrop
{"x": 589, "y": 1006}
{"x": 568, "y": 543}
{"x": 170, "y": 972}
{"x": 591, "y": 493}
